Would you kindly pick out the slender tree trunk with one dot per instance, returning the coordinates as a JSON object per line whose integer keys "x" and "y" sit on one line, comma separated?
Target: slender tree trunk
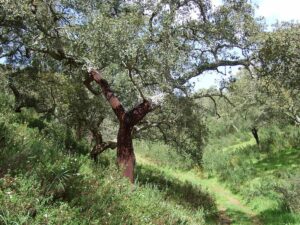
{"x": 255, "y": 135}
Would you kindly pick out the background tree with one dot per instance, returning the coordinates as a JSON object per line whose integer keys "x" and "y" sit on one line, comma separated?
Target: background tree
{"x": 252, "y": 108}
{"x": 278, "y": 67}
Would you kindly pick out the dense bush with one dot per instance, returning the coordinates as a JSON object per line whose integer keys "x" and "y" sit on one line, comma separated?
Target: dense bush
{"x": 23, "y": 203}
{"x": 96, "y": 196}
{"x": 163, "y": 155}
{"x": 231, "y": 165}
{"x": 289, "y": 190}
{"x": 276, "y": 138}
{"x": 281, "y": 188}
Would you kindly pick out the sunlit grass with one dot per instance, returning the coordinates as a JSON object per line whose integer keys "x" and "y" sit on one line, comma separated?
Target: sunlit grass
{"x": 225, "y": 199}
{"x": 240, "y": 209}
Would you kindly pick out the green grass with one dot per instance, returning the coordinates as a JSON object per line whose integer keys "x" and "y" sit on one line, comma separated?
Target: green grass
{"x": 276, "y": 217}
{"x": 264, "y": 173}
{"x": 284, "y": 160}
{"x": 162, "y": 155}
{"x": 225, "y": 199}
{"x": 240, "y": 145}
{"x": 251, "y": 200}
{"x": 42, "y": 182}
{"x": 272, "y": 168}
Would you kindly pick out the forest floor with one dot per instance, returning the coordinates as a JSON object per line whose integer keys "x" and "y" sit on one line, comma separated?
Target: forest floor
{"x": 231, "y": 209}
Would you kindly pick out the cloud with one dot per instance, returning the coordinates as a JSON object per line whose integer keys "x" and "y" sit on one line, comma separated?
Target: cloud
{"x": 272, "y": 10}
{"x": 282, "y": 10}
{"x": 216, "y": 2}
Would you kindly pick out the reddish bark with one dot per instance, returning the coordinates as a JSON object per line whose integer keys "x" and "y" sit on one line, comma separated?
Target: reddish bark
{"x": 125, "y": 151}
{"x": 108, "y": 93}
{"x": 127, "y": 121}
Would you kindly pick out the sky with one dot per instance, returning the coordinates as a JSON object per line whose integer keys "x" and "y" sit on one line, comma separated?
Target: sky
{"x": 272, "y": 11}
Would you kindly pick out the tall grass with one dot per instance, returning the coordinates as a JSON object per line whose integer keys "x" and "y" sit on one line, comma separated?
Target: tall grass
{"x": 267, "y": 176}
{"x": 43, "y": 182}
{"x": 163, "y": 155}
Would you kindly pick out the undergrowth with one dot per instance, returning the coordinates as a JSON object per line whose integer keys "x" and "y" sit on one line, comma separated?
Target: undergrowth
{"x": 267, "y": 176}
{"x": 46, "y": 177}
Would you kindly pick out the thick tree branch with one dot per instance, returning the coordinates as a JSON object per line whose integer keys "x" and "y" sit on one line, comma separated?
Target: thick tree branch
{"x": 139, "y": 112}
{"x": 108, "y": 93}
{"x": 14, "y": 89}
{"x": 25, "y": 100}
{"x": 147, "y": 125}
{"x": 212, "y": 66}
{"x": 98, "y": 149}
{"x": 88, "y": 85}
{"x": 202, "y": 10}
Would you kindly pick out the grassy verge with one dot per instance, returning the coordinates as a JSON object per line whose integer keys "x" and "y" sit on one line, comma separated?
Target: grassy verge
{"x": 43, "y": 182}
{"x": 226, "y": 202}
{"x": 267, "y": 181}
{"x": 249, "y": 186}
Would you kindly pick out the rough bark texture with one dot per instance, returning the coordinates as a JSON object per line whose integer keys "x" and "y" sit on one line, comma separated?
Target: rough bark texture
{"x": 125, "y": 152}
{"x": 127, "y": 121}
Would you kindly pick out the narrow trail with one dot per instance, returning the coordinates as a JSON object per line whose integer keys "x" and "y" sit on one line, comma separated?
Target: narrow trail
{"x": 231, "y": 210}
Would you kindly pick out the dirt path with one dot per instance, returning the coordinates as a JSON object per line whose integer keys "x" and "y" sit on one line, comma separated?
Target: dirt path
{"x": 230, "y": 205}
{"x": 231, "y": 210}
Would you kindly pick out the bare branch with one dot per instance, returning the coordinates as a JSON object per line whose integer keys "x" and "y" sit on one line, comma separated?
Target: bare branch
{"x": 212, "y": 66}
{"x": 135, "y": 84}
{"x": 209, "y": 95}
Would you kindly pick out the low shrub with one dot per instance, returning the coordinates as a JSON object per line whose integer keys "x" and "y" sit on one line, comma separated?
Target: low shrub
{"x": 163, "y": 155}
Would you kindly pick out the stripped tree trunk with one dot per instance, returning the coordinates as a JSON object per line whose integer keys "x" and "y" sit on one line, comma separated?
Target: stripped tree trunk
{"x": 125, "y": 152}
{"x": 127, "y": 121}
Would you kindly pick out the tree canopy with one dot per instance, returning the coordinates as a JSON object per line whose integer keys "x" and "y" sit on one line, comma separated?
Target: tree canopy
{"x": 136, "y": 51}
